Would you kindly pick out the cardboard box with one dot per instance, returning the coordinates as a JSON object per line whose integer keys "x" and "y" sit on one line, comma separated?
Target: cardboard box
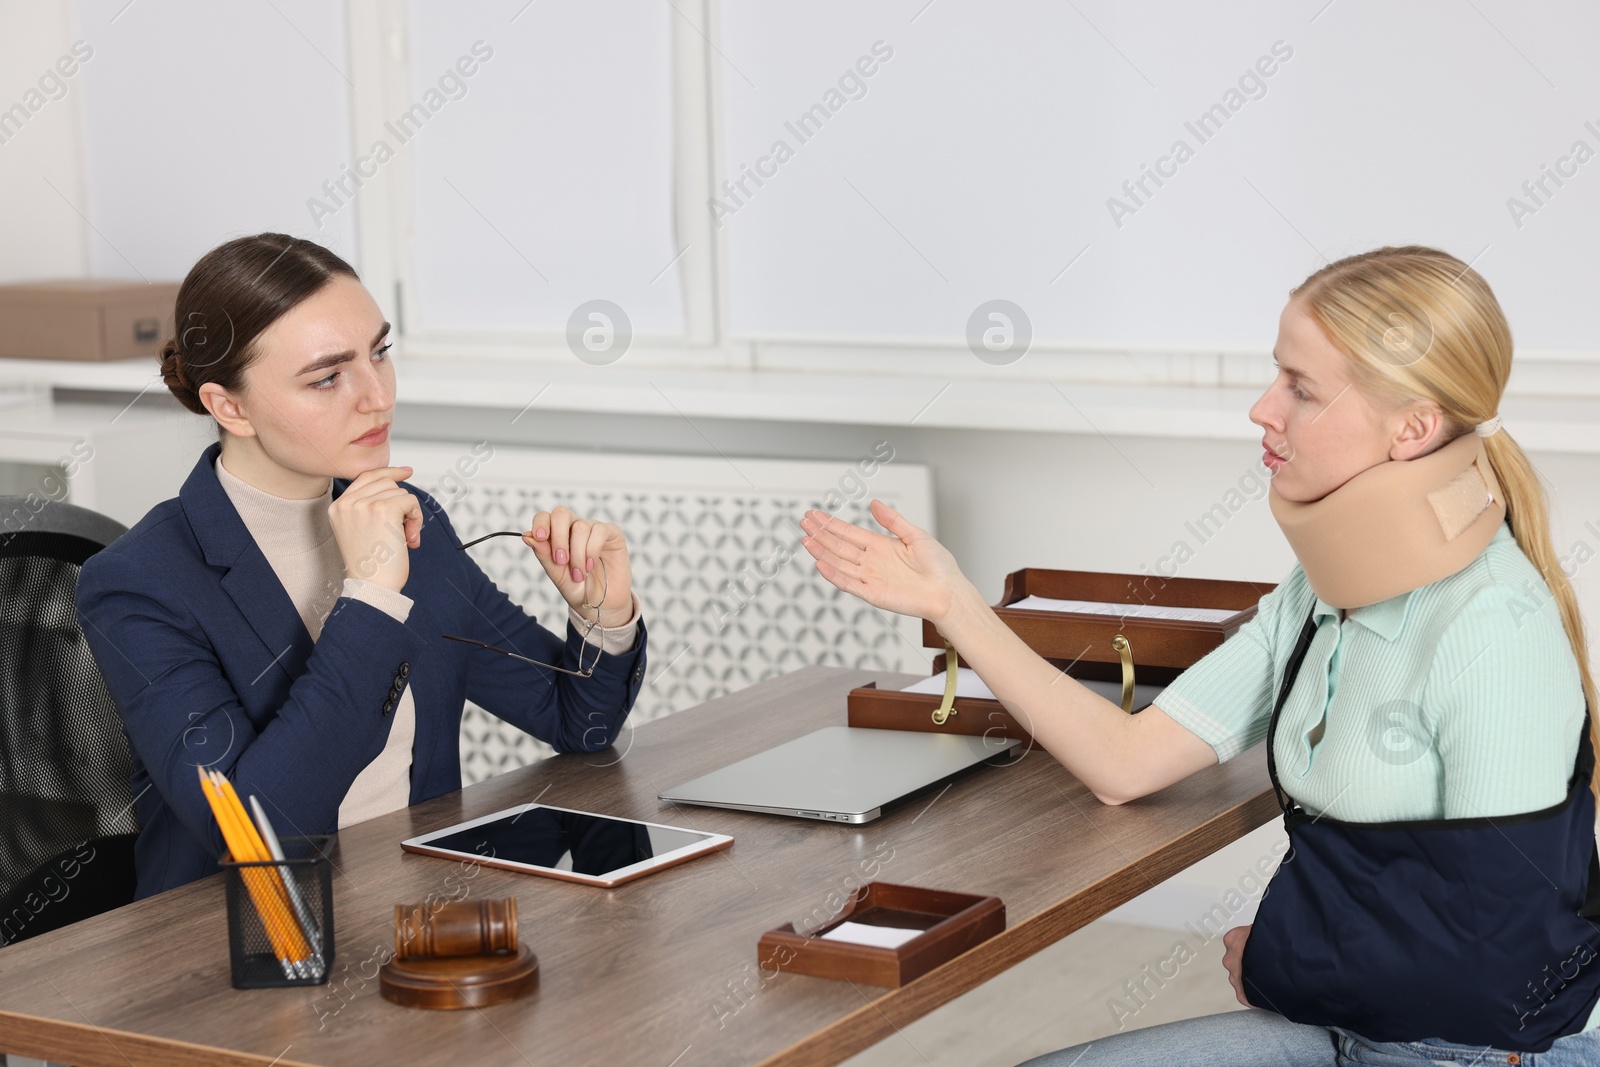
{"x": 85, "y": 319}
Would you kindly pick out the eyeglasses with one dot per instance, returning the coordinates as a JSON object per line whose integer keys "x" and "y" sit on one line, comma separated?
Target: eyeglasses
{"x": 590, "y": 627}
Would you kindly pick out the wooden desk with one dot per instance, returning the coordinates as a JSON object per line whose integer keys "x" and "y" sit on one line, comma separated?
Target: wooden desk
{"x": 661, "y": 971}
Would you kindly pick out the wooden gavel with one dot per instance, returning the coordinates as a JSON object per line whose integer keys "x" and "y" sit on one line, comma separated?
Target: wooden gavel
{"x": 455, "y": 928}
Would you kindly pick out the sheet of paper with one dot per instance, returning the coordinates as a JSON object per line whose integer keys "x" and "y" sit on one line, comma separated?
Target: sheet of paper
{"x": 862, "y": 934}
{"x": 1126, "y": 611}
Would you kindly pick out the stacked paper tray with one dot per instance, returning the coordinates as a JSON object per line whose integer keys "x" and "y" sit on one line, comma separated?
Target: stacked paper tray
{"x": 1072, "y": 619}
{"x": 1170, "y": 622}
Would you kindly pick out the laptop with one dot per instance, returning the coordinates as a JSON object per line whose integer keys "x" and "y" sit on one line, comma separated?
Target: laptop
{"x": 839, "y": 773}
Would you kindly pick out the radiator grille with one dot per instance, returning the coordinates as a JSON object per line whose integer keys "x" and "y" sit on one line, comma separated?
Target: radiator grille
{"x": 708, "y": 539}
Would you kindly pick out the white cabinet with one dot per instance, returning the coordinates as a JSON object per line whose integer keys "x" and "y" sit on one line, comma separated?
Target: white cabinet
{"x": 115, "y": 459}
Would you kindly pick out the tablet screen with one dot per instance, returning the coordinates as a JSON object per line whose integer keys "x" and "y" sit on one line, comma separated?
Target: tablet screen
{"x": 561, "y": 840}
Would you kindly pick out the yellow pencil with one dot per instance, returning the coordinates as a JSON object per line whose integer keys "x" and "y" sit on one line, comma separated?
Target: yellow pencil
{"x": 263, "y": 894}
{"x": 299, "y": 947}
{"x": 239, "y": 850}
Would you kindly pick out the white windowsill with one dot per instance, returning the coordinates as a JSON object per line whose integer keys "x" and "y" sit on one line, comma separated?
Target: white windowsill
{"x": 1542, "y": 423}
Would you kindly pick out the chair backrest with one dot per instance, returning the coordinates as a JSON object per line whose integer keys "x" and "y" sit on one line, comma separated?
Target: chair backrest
{"x": 66, "y": 811}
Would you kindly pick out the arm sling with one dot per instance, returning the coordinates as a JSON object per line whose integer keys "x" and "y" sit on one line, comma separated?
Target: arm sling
{"x": 1479, "y": 931}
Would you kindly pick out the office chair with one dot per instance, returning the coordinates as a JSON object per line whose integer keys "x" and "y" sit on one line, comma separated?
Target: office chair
{"x": 67, "y": 823}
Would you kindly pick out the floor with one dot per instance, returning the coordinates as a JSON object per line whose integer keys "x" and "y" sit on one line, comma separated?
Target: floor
{"x": 1074, "y": 991}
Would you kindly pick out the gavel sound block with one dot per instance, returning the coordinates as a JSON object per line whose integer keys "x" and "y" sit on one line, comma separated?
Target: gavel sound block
{"x": 461, "y": 954}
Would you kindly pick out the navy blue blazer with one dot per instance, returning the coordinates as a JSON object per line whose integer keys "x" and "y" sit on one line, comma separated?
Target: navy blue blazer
{"x": 209, "y": 664}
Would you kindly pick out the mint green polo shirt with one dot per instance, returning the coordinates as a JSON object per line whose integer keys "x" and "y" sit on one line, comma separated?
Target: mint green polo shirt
{"x": 1459, "y": 699}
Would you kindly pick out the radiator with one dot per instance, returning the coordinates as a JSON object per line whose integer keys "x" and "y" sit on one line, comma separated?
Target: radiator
{"x": 729, "y": 594}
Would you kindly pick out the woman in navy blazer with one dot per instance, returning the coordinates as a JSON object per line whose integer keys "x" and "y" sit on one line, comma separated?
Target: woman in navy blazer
{"x": 204, "y": 652}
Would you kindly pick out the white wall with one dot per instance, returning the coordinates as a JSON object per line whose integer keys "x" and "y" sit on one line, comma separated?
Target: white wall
{"x": 987, "y": 146}
{"x": 207, "y": 121}
{"x": 42, "y": 234}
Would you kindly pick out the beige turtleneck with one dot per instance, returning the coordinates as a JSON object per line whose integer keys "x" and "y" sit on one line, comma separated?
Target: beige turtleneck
{"x": 297, "y": 539}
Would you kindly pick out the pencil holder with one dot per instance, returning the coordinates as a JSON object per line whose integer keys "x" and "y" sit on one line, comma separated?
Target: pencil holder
{"x": 280, "y": 916}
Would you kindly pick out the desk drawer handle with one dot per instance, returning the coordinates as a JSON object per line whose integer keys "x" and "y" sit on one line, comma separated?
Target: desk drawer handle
{"x": 1125, "y": 650}
{"x": 947, "y": 708}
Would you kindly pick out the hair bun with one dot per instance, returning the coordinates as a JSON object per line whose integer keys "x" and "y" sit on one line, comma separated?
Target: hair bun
{"x": 176, "y": 380}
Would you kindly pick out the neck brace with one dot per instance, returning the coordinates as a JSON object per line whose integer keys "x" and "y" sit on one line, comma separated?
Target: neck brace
{"x": 1396, "y": 526}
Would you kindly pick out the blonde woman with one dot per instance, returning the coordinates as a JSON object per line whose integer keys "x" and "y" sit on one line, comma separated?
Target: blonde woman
{"x": 1440, "y": 901}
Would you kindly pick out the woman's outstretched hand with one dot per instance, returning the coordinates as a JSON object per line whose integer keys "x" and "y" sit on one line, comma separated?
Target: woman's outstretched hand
{"x": 906, "y": 572}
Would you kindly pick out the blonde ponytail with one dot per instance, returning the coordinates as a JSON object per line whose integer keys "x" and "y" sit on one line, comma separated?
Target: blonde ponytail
{"x": 1528, "y": 513}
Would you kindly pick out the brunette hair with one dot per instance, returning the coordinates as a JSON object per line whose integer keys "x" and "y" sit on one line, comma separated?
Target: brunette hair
{"x": 229, "y": 298}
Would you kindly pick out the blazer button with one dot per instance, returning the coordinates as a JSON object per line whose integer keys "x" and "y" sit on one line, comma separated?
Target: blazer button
{"x": 388, "y": 707}
{"x": 405, "y": 669}
{"x": 638, "y": 673}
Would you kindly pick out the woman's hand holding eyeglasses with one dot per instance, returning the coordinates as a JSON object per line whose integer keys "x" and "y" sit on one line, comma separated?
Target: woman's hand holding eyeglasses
{"x": 571, "y": 550}
{"x": 907, "y": 572}
{"x": 375, "y": 521}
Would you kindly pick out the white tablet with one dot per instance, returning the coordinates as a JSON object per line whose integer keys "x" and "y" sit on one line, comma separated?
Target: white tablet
{"x": 577, "y": 846}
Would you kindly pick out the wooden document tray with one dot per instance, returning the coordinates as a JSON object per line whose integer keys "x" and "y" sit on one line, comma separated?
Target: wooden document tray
{"x": 951, "y": 923}
{"x": 1068, "y": 636}
{"x": 1079, "y": 644}
{"x": 887, "y": 709}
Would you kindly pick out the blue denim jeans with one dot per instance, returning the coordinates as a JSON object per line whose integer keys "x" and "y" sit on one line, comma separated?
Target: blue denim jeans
{"x": 1257, "y": 1038}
